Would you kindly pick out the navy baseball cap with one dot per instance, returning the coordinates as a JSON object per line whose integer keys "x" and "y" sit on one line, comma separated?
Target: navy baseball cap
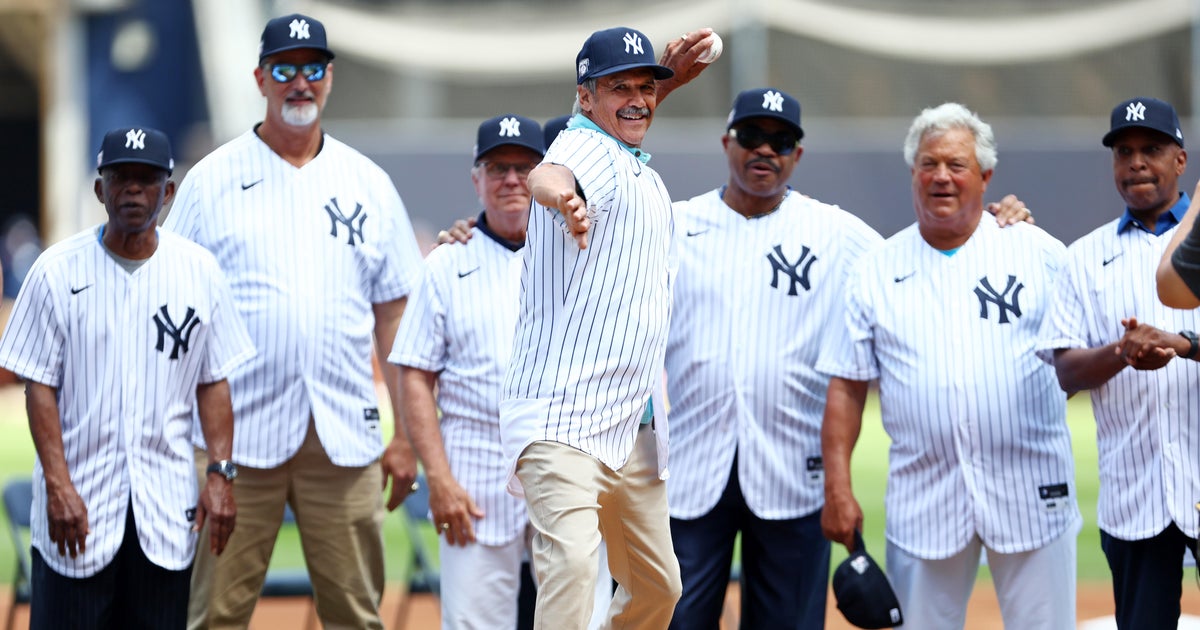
{"x": 509, "y": 129}
{"x": 137, "y": 145}
{"x": 1150, "y": 113}
{"x": 291, "y": 32}
{"x": 553, "y": 127}
{"x": 615, "y": 49}
{"x": 768, "y": 102}
{"x": 863, "y": 592}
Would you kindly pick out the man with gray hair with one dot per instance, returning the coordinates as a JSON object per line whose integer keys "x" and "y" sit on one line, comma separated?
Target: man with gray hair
{"x": 946, "y": 315}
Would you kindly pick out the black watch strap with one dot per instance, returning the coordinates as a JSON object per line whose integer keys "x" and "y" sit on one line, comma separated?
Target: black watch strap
{"x": 1194, "y": 340}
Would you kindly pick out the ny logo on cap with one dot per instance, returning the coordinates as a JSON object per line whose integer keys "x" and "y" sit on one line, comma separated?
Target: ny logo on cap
{"x": 1135, "y": 111}
{"x": 135, "y": 139}
{"x": 510, "y": 127}
{"x": 633, "y": 42}
{"x": 299, "y": 29}
{"x": 773, "y": 101}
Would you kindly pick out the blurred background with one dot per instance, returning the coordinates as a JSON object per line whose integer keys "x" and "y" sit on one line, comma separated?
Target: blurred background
{"x": 413, "y": 78}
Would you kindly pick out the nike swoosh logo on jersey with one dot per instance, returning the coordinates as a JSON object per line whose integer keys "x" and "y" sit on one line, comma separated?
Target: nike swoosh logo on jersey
{"x": 251, "y": 184}
{"x": 464, "y": 274}
{"x": 75, "y": 291}
{"x": 697, "y": 232}
{"x": 1108, "y": 260}
{"x": 900, "y": 279}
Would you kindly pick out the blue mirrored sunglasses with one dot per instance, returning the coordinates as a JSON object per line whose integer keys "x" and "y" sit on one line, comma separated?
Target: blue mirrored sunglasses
{"x": 286, "y": 72}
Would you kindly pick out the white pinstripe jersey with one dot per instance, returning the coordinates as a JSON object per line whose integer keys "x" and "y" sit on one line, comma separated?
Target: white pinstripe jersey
{"x": 460, "y": 323}
{"x": 754, "y": 298}
{"x": 593, "y": 323}
{"x": 125, "y": 352}
{"x": 1147, "y": 422}
{"x": 308, "y": 251}
{"x": 978, "y": 423}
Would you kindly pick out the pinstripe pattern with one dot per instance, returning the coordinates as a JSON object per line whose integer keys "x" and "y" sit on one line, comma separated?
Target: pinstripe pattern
{"x": 592, "y": 327}
{"x": 977, "y": 421}
{"x": 1147, "y": 422}
{"x": 305, "y": 285}
{"x": 741, "y": 354}
{"x": 85, "y": 326}
{"x": 460, "y": 323}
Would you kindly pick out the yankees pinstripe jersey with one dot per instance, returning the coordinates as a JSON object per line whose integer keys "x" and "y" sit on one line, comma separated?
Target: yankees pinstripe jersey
{"x": 754, "y": 299}
{"x": 125, "y": 352}
{"x": 308, "y": 251}
{"x": 593, "y": 323}
{"x": 977, "y": 421}
{"x": 460, "y": 323}
{"x": 1147, "y": 421}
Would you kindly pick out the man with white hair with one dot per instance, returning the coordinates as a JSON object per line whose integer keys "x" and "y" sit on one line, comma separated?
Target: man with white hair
{"x": 946, "y": 315}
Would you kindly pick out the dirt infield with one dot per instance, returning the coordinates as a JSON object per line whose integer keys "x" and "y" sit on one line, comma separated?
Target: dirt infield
{"x": 1094, "y": 600}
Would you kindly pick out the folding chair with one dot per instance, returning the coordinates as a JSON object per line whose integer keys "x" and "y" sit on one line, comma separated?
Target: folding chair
{"x": 423, "y": 576}
{"x": 18, "y": 501}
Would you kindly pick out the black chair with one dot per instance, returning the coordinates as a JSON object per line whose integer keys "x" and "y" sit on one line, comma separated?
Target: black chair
{"x": 18, "y": 501}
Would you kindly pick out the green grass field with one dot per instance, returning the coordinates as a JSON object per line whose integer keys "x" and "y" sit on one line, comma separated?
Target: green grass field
{"x": 869, "y": 465}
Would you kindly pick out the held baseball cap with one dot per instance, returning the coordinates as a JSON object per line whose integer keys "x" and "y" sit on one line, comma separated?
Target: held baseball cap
{"x": 291, "y": 32}
{"x": 616, "y": 49}
{"x": 768, "y": 102}
{"x": 863, "y": 592}
{"x": 509, "y": 129}
{"x": 138, "y": 145}
{"x": 1150, "y": 113}
{"x": 553, "y": 127}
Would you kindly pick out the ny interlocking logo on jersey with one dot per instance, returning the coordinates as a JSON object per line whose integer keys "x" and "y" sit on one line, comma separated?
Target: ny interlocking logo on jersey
{"x": 181, "y": 334}
{"x": 796, "y": 275}
{"x": 299, "y": 29}
{"x": 633, "y": 44}
{"x": 989, "y": 295}
{"x": 510, "y": 128}
{"x": 1135, "y": 111}
{"x": 135, "y": 139}
{"x": 336, "y": 217}
{"x": 772, "y": 101}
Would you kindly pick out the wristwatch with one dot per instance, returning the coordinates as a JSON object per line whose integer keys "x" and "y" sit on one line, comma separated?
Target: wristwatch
{"x": 1194, "y": 340}
{"x": 228, "y": 469}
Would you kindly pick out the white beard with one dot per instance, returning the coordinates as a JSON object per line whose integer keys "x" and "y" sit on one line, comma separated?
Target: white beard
{"x": 300, "y": 115}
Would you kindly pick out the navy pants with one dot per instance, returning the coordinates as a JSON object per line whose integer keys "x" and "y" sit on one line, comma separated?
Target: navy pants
{"x": 131, "y": 592}
{"x": 785, "y": 566}
{"x": 1148, "y": 577}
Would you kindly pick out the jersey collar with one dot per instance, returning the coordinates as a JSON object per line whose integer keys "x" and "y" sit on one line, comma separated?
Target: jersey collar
{"x": 482, "y": 224}
{"x": 1166, "y": 220}
{"x": 579, "y": 121}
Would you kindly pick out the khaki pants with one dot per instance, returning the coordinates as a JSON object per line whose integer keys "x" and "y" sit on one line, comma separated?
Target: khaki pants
{"x": 339, "y": 512}
{"x": 573, "y": 501}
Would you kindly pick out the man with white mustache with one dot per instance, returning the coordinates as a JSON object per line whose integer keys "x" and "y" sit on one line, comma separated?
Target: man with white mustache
{"x": 321, "y": 257}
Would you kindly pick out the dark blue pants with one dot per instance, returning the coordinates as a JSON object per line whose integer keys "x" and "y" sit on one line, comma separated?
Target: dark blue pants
{"x": 785, "y": 566}
{"x": 1148, "y": 577}
{"x": 131, "y": 592}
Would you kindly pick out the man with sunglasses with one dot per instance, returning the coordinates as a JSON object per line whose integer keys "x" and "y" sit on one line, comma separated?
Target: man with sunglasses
{"x": 746, "y": 401}
{"x": 321, "y": 255}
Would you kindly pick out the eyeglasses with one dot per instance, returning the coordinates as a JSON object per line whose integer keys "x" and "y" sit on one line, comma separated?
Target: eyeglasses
{"x": 286, "y": 72}
{"x": 499, "y": 170}
{"x": 750, "y": 137}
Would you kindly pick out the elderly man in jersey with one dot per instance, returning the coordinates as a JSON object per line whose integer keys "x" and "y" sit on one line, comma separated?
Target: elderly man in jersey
{"x": 321, "y": 256}
{"x": 946, "y": 315}
{"x": 589, "y": 453}
{"x": 746, "y": 402}
{"x": 122, "y": 332}
{"x": 1108, "y": 333}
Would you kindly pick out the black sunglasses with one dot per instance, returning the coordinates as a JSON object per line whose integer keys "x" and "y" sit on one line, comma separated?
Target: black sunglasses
{"x": 750, "y": 137}
{"x": 286, "y": 72}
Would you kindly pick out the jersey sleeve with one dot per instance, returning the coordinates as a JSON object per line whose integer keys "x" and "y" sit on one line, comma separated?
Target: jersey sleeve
{"x": 848, "y": 351}
{"x": 34, "y": 341}
{"x": 421, "y": 340}
{"x": 402, "y": 263}
{"x": 1065, "y": 325}
{"x": 590, "y": 161}
{"x": 184, "y": 216}
{"x": 229, "y": 343}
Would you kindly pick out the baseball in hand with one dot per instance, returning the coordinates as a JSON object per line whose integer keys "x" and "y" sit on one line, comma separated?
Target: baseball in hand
{"x": 715, "y": 47}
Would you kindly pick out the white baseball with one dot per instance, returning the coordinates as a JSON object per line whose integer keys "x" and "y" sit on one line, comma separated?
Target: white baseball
{"x": 714, "y": 49}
